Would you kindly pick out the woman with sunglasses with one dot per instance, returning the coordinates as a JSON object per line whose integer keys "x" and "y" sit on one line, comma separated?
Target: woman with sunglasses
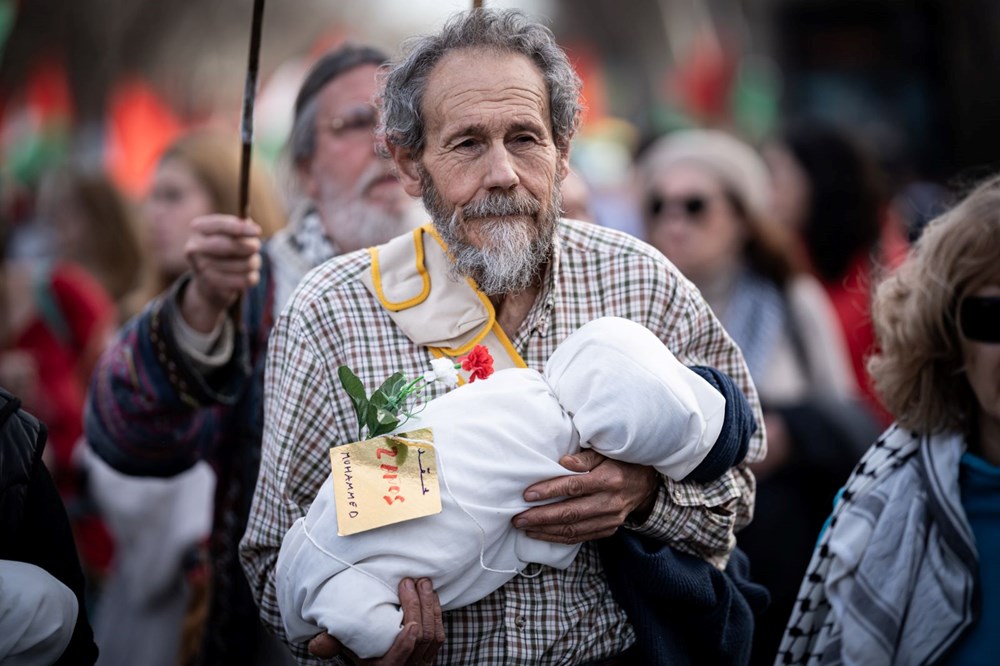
{"x": 908, "y": 569}
{"x": 707, "y": 208}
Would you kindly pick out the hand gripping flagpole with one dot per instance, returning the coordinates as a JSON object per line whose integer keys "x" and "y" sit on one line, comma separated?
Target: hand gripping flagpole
{"x": 249, "y": 93}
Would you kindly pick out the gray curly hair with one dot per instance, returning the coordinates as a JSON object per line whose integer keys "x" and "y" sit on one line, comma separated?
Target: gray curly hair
{"x": 405, "y": 80}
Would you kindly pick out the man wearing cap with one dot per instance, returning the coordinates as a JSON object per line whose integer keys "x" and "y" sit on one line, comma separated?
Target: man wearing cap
{"x": 184, "y": 380}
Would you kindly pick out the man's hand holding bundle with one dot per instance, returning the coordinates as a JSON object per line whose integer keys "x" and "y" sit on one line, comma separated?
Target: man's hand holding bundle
{"x": 597, "y": 503}
{"x": 417, "y": 643}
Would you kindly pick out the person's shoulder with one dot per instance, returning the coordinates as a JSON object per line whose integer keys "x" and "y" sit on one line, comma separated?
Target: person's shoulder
{"x": 77, "y": 292}
{"x": 615, "y": 257}
{"x": 69, "y": 278}
{"x": 586, "y": 238}
{"x": 643, "y": 283}
{"x": 807, "y": 298}
{"x": 334, "y": 280}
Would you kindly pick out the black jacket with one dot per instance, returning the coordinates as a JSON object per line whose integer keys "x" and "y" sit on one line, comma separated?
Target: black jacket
{"x": 34, "y": 527}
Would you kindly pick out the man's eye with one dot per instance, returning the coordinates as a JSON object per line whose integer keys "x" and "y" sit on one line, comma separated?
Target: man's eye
{"x": 523, "y": 141}
{"x": 353, "y": 124}
{"x": 468, "y": 143}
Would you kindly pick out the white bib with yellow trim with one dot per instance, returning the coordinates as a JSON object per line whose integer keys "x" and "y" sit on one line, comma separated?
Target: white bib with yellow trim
{"x": 410, "y": 278}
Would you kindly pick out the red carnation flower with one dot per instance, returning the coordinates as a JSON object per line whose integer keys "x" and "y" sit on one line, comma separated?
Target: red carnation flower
{"x": 479, "y": 363}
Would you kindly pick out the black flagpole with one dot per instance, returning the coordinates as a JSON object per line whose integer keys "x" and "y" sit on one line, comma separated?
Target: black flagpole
{"x": 249, "y": 93}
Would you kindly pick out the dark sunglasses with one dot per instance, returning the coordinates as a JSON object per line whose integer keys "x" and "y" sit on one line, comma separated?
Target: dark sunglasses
{"x": 979, "y": 317}
{"x": 692, "y": 207}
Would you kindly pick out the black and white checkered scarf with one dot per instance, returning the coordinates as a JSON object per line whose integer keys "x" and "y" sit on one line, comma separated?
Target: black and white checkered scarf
{"x": 892, "y": 578}
{"x": 297, "y": 249}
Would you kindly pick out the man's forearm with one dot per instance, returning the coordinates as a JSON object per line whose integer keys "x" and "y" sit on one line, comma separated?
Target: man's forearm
{"x": 198, "y": 312}
{"x": 642, "y": 512}
{"x": 700, "y": 519}
{"x": 206, "y": 351}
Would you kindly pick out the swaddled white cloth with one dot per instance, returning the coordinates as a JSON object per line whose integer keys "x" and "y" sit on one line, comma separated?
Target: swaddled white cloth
{"x": 612, "y": 385}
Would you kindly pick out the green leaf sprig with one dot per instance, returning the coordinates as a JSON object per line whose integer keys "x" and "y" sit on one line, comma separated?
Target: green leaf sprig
{"x": 387, "y": 408}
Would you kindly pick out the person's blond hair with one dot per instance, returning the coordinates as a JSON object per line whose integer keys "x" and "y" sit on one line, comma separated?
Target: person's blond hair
{"x": 918, "y": 369}
{"x": 214, "y": 159}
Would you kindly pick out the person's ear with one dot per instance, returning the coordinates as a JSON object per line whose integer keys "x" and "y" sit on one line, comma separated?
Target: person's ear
{"x": 562, "y": 166}
{"x": 407, "y": 169}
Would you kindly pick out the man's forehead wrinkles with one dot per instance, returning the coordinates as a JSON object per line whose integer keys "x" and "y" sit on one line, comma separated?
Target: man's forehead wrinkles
{"x": 469, "y": 87}
{"x": 506, "y": 93}
{"x": 494, "y": 114}
{"x": 355, "y": 84}
{"x": 490, "y": 101}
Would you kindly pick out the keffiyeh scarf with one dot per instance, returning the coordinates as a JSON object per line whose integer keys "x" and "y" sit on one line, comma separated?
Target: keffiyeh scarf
{"x": 755, "y": 317}
{"x": 893, "y": 576}
{"x": 295, "y": 250}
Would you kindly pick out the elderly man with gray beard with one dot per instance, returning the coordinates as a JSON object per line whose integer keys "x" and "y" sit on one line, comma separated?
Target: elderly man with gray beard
{"x": 183, "y": 382}
{"x": 478, "y": 120}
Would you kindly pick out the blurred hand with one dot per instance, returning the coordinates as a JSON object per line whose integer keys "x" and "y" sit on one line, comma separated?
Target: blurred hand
{"x": 598, "y": 502}
{"x": 417, "y": 643}
{"x": 224, "y": 253}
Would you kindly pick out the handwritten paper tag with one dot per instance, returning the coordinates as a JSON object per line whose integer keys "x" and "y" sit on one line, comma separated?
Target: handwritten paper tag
{"x": 385, "y": 480}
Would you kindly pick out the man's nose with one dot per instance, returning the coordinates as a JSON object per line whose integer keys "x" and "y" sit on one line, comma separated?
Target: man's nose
{"x": 500, "y": 171}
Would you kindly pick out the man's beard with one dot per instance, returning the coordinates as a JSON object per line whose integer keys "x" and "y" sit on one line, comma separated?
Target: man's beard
{"x": 353, "y": 222}
{"x": 512, "y": 253}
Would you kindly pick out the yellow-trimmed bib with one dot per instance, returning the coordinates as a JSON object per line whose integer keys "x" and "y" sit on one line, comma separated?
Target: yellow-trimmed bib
{"x": 409, "y": 277}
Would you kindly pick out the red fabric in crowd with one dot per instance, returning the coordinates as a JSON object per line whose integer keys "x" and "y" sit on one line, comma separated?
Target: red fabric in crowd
{"x": 64, "y": 365}
{"x": 64, "y": 361}
{"x": 851, "y": 299}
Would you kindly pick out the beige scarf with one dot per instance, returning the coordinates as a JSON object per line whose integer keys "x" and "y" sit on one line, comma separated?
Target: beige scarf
{"x": 409, "y": 277}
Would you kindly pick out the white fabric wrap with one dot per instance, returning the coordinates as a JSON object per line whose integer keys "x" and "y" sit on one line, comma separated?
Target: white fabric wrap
{"x": 632, "y": 400}
{"x": 493, "y": 439}
{"x": 37, "y": 615}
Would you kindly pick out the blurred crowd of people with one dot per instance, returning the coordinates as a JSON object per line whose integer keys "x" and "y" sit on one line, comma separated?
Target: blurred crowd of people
{"x": 156, "y": 463}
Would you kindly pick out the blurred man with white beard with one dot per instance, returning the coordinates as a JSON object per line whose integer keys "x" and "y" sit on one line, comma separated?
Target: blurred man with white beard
{"x": 184, "y": 380}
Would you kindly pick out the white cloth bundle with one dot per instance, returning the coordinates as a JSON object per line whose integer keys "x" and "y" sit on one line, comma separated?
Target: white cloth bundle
{"x": 611, "y": 385}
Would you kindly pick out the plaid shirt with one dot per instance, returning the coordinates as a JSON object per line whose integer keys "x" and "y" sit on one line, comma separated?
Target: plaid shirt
{"x": 558, "y": 617}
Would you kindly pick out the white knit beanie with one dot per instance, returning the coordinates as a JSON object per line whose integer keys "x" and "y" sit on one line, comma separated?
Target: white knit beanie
{"x": 737, "y": 164}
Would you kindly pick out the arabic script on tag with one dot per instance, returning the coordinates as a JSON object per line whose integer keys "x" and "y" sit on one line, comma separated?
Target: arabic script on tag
{"x": 385, "y": 480}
